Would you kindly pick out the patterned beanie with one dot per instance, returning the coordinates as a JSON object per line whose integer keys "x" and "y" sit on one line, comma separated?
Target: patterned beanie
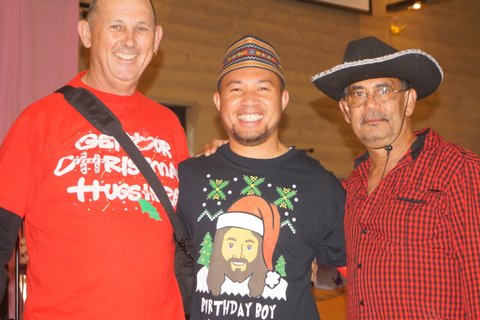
{"x": 250, "y": 51}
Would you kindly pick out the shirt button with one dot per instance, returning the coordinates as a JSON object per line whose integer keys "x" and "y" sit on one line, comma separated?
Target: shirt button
{"x": 360, "y": 303}
{"x": 364, "y": 231}
{"x": 359, "y": 266}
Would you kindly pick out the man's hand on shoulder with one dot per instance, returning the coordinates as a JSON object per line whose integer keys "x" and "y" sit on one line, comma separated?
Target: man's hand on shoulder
{"x": 211, "y": 147}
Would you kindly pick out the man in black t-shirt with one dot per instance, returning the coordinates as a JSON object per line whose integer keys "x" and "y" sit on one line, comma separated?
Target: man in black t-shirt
{"x": 258, "y": 211}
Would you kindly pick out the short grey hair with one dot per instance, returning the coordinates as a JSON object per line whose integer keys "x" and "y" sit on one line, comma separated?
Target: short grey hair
{"x": 93, "y": 8}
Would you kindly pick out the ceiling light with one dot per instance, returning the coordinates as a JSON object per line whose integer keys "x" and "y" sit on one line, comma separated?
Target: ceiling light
{"x": 411, "y": 4}
{"x": 416, "y": 6}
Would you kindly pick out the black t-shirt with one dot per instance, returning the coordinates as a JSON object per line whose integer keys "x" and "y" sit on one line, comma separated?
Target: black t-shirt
{"x": 256, "y": 225}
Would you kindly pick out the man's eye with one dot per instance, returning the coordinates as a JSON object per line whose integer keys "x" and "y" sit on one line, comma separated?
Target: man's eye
{"x": 142, "y": 29}
{"x": 115, "y": 27}
{"x": 383, "y": 91}
{"x": 358, "y": 94}
{"x": 263, "y": 89}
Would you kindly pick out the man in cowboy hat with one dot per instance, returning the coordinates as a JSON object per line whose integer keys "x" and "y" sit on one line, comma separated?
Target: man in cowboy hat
{"x": 412, "y": 217}
{"x": 257, "y": 211}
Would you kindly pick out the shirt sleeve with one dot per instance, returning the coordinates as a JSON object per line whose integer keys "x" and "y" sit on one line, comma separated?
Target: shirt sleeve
{"x": 20, "y": 166}
{"x": 181, "y": 202}
{"x": 331, "y": 245}
{"x": 181, "y": 143}
{"x": 464, "y": 204}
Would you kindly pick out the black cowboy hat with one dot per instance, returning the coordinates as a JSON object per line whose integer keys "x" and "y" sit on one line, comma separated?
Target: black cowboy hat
{"x": 369, "y": 58}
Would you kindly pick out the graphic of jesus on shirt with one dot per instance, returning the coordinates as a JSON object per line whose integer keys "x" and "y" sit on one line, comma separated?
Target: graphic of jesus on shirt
{"x": 241, "y": 260}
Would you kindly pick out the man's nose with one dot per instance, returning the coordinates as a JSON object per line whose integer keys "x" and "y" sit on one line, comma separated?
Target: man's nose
{"x": 129, "y": 38}
{"x": 250, "y": 97}
{"x": 371, "y": 101}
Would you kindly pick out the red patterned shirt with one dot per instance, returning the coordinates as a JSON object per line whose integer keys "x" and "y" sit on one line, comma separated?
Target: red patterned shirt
{"x": 413, "y": 244}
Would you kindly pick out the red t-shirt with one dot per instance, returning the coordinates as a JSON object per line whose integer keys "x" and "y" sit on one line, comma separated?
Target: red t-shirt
{"x": 100, "y": 243}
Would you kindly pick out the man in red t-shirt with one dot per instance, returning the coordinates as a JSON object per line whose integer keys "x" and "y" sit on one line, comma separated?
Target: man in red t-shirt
{"x": 100, "y": 244}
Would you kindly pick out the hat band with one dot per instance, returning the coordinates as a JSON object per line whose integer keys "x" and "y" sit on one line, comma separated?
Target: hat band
{"x": 388, "y": 57}
{"x": 251, "y": 62}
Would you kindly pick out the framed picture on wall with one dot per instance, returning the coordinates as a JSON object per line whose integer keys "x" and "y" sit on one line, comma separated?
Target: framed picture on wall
{"x": 362, "y": 6}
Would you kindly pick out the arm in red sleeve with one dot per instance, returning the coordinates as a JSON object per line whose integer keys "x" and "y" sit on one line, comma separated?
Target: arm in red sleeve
{"x": 464, "y": 205}
{"x": 343, "y": 271}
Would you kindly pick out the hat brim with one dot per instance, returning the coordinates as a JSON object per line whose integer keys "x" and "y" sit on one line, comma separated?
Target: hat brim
{"x": 415, "y": 66}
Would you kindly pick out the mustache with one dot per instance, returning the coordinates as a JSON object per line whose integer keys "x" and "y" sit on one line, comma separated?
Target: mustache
{"x": 241, "y": 260}
{"x": 373, "y": 115}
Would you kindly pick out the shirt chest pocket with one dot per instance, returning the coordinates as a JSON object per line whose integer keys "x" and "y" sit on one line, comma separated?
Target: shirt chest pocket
{"x": 420, "y": 217}
{"x": 411, "y": 218}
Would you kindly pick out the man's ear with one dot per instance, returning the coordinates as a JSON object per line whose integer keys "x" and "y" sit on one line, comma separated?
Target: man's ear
{"x": 345, "y": 110}
{"x": 84, "y": 32}
{"x": 285, "y": 99}
{"x": 216, "y": 100}
{"x": 412, "y": 101}
{"x": 158, "y": 37}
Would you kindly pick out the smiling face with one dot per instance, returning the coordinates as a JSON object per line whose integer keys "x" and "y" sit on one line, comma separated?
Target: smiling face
{"x": 250, "y": 101}
{"x": 237, "y": 255}
{"x": 123, "y": 37}
{"x": 239, "y": 248}
{"x": 379, "y": 124}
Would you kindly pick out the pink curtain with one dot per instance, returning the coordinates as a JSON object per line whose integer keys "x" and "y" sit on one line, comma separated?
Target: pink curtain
{"x": 38, "y": 52}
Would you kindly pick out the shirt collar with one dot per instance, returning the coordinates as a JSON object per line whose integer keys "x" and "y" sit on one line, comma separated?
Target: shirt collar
{"x": 416, "y": 147}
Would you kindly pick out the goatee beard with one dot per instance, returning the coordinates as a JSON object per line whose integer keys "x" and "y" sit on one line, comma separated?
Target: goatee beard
{"x": 238, "y": 275}
{"x": 251, "y": 141}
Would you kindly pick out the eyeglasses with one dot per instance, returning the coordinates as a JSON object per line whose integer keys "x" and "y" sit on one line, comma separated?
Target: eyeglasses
{"x": 357, "y": 97}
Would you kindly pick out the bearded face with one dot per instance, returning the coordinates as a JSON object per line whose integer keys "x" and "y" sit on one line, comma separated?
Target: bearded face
{"x": 239, "y": 249}
{"x": 251, "y": 101}
{"x": 237, "y": 254}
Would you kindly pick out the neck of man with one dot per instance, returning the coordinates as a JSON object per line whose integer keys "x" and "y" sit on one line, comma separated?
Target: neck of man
{"x": 382, "y": 162}
{"x": 379, "y": 156}
{"x": 118, "y": 88}
{"x": 272, "y": 148}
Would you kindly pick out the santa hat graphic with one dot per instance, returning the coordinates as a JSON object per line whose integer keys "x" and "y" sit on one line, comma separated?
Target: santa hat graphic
{"x": 255, "y": 214}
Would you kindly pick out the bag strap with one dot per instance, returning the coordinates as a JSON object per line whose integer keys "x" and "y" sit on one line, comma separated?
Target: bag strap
{"x": 98, "y": 114}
